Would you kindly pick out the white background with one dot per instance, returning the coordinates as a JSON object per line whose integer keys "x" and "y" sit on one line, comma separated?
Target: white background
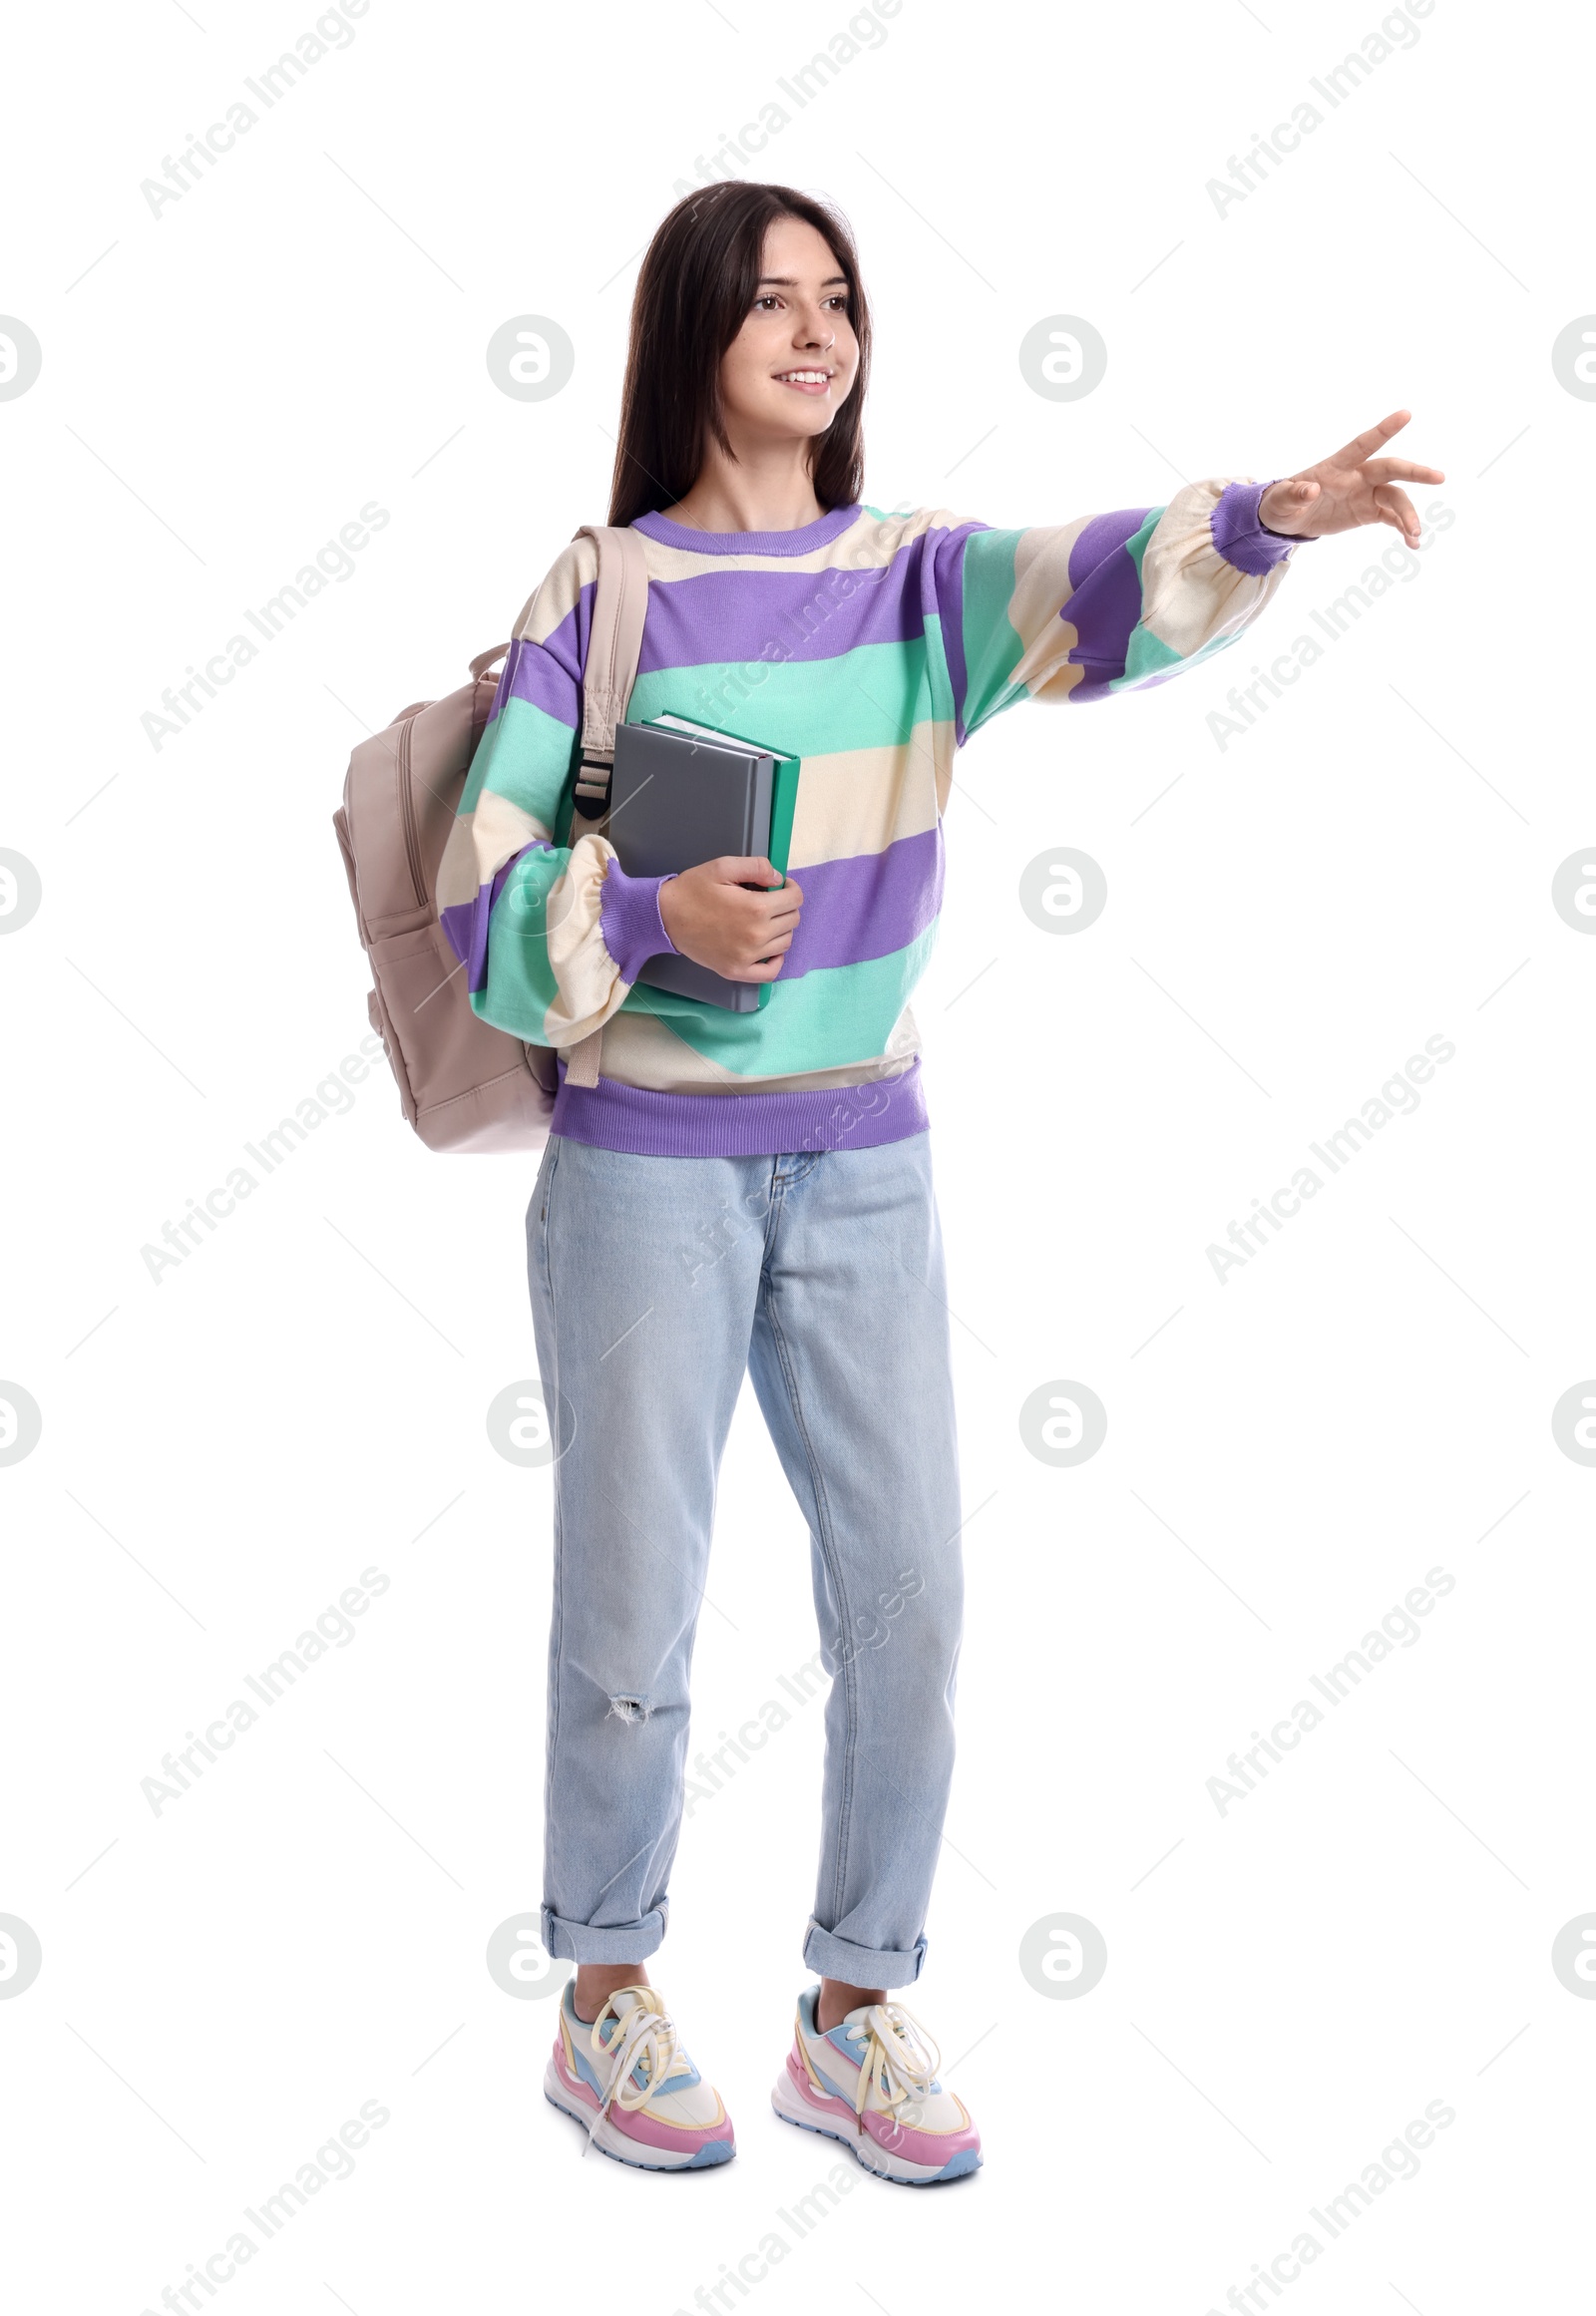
{"x": 1369, "y": 866}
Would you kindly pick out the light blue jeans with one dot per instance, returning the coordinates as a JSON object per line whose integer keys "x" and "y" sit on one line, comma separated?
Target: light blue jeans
{"x": 657, "y": 1284}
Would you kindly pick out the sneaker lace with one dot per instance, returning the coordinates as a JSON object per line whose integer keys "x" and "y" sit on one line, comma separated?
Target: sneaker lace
{"x": 644, "y": 2039}
{"x": 899, "y": 2062}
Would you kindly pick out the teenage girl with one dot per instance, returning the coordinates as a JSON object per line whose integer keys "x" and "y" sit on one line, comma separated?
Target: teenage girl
{"x": 736, "y": 1193}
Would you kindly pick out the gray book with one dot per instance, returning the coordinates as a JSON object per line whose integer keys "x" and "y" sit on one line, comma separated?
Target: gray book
{"x": 681, "y": 794}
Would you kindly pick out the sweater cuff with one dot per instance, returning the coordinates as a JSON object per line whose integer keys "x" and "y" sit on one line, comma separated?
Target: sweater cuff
{"x": 1243, "y": 541}
{"x": 629, "y": 918}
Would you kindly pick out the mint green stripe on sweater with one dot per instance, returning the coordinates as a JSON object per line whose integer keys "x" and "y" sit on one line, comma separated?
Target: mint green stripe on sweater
{"x": 1147, "y": 655}
{"x": 521, "y": 985}
{"x": 1136, "y": 545}
{"x": 939, "y": 677}
{"x": 525, "y": 754}
{"x": 868, "y": 698}
{"x": 993, "y": 646}
{"x": 820, "y": 1020}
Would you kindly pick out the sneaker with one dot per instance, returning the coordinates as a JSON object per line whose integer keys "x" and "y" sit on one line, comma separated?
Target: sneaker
{"x": 627, "y": 2079}
{"x": 872, "y": 2083}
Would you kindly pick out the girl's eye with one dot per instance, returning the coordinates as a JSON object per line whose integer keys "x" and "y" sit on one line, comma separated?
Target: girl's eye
{"x": 767, "y": 300}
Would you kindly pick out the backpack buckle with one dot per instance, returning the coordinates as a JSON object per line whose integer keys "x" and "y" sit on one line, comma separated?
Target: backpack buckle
{"x": 592, "y": 793}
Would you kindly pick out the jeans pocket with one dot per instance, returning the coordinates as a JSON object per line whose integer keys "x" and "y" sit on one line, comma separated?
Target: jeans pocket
{"x": 542, "y": 1191}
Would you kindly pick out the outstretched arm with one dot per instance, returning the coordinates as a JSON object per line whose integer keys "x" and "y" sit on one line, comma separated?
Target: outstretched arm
{"x": 1117, "y": 603}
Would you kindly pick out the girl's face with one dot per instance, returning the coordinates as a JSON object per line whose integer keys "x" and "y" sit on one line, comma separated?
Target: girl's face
{"x": 789, "y": 369}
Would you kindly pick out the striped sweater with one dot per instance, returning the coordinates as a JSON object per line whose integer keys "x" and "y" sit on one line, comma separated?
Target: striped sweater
{"x": 871, "y": 646}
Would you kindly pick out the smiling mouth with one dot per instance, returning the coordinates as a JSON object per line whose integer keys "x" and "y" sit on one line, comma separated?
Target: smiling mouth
{"x": 807, "y": 381}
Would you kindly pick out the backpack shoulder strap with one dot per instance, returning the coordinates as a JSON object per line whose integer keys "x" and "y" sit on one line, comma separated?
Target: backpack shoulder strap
{"x": 615, "y": 643}
{"x": 621, "y": 599}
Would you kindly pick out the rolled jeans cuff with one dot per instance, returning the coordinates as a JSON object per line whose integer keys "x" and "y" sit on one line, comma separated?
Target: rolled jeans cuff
{"x": 627, "y": 1942}
{"x": 835, "y": 1957}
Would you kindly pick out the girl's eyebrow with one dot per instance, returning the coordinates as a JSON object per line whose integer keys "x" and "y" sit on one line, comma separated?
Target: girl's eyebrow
{"x": 787, "y": 280}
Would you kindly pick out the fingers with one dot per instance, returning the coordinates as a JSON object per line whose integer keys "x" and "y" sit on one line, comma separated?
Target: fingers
{"x": 747, "y": 869}
{"x": 1403, "y": 470}
{"x": 767, "y": 965}
{"x": 771, "y": 905}
{"x": 1363, "y": 445}
{"x": 771, "y": 935}
{"x": 1398, "y": 509}
{"x": 1373, "y": 438}
{"x": 735, "y": 915}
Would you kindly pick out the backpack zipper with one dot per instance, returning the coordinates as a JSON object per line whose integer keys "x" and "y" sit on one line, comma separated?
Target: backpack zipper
{"x": 407, "y": 810}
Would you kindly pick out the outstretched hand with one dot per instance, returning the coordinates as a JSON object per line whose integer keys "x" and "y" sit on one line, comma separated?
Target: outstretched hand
{"x": 1352, "y": 486}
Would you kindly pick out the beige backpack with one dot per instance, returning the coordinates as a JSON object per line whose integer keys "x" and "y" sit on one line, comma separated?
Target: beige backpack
{"x": 463, "y": 1085}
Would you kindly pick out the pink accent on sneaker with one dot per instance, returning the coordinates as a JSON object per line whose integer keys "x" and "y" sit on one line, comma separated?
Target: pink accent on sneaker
{"x": 922, "y": 2147}
{"x": 634, "y": 2123}
{"x": 929, "y": 2147}
{"x": 927, "y": 2151}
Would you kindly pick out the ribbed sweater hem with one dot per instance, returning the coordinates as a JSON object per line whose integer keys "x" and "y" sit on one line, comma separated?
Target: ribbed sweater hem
{"x": 613, "y": 1116}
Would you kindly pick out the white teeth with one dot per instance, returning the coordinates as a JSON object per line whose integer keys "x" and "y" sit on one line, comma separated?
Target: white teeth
{"x": 805, "y": 377}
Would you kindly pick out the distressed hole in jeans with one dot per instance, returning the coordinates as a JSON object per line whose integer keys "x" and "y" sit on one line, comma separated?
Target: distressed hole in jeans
{"x": 631, "y": 1707}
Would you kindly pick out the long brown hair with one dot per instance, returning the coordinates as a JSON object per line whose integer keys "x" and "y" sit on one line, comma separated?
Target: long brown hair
{"x": 697, "y": 282}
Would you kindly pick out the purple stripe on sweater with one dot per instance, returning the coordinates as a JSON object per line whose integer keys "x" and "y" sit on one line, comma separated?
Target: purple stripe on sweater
{"x": 735, "y": 617}
{"x": 867, "y": 906}
{"x": 532, "y": 673}
{"x": 942, "y": 593}
{"x": 613, "y": 1116}
{"x": 1105, "y": 600}
{"x": 1096, "y": 683}
{"x": 629, "y": 921}
{"x": 465, "y": 922}
{"x": 1100, "y": 538}
{"x": 1240, "y": 537}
